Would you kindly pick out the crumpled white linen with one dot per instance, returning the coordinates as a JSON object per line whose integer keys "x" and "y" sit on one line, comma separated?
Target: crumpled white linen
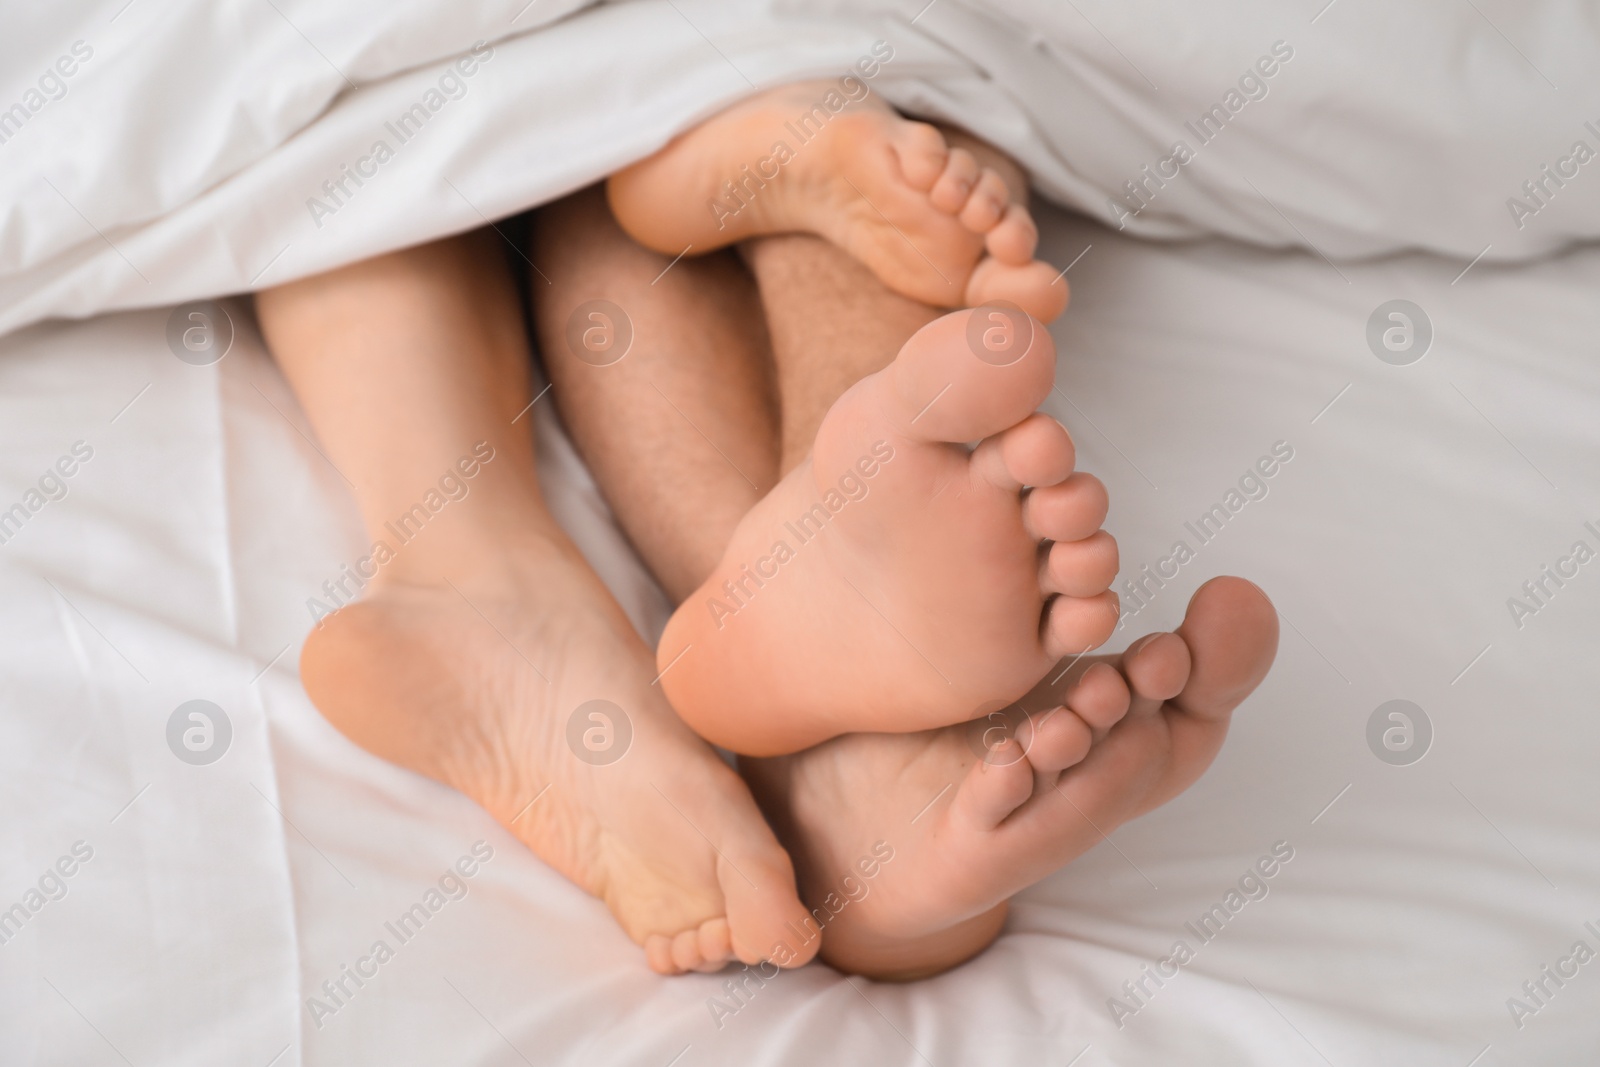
{"x": 184, "y": 156}
{"x": 1418, "y": 901}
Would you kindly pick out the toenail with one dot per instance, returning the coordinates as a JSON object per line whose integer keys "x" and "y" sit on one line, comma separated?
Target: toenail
{"x": 1138, "y": 646}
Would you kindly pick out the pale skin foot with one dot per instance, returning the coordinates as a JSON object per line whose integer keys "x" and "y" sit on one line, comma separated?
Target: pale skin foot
{"x": 895, "y": 580}
{"x": 831, "y": 324}
{"x": 474, "y": 645}
{"x": 1112, "y": 738}
{"x": 931, "y": 220}
{"x": 470, "y": 678}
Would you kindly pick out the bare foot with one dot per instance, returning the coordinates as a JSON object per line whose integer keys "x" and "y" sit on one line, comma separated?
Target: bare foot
{"x": 963, "y": 833}
{"x": 896, "y": 580}
{"x": 472, "y": 680}
{"x": 890, "y": 191}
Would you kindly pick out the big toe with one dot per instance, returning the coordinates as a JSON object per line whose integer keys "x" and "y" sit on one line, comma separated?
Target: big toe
{"x": 763, "y": 905}
{"x": 971, "y": 374}
{"x": 1231, "y": 629}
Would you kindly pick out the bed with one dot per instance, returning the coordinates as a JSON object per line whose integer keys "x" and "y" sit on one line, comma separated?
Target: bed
{"x": 1436, "y": 899}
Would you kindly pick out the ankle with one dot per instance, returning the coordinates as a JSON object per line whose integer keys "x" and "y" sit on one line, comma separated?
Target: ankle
{"x": 475, "y": 547}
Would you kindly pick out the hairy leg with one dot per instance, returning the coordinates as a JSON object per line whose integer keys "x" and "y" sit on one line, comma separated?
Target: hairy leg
{"x": 831, "y": 322}
{"x": 672, "y": 405}
{"x": 482, "y": 637}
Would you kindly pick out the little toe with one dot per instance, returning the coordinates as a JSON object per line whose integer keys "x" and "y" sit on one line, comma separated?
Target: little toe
{"x": 1080, "y": 568}
{"x": 950, "y": 192}
{"x": 1074, "y": 625}
{"x": 1035, "y": 287}
{"x": 1068, "y": 511}
{"x": 1035, "y": 452}
{"x": 995, "y": 787}
{"x": 986, "y": 204}
{"x": 1014, "y": 238}
{"x": 922, "y": 152}
{"x": 658, "y": 954}
{"x": 1059, "y": 739}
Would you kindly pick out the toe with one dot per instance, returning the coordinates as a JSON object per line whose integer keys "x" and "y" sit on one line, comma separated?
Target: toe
{"x": 1035, "y": 287}
{"x": 952, "y": 188}
{"x": 1037, "y": 451}
{"x": 1069, "y": 511}
{"x": 658, "y": 953}
{"x": 1229, "y": 637}
{"x": 1074, "y": 625}
{"x": 1231, "y": 633}
{"x": 1080, "y": 568}
{"x": 1059, "y": 739}
{"x": 759, "y": 887}
{"x": 1157, "y": 666}
{"x": 686, "y": 950}
{"x": 1014, "y": 238}
{"x": 995, "y": 787}
{"x": 1100, "y": 697}
{"x": 922, "y": 153}
{"x": 986, "y": 204}
{"x": 966, "y": 376}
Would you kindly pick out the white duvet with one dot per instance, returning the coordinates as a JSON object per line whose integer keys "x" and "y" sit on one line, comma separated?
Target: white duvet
{"x": 1423, "y": 914}
{"x": 196, "y": 148}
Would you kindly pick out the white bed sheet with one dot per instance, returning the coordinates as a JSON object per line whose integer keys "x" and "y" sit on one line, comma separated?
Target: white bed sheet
{"x": 1419, "y": 898}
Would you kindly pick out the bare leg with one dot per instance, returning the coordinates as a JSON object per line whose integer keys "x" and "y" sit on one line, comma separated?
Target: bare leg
{"x": 832, "y": 323}
{"x": 910, "y": 202}
{"x": 1109, "y": 740}
{"x": 851, "y": 801}
{"x": 694, "y": 389}
{"x": 482, "y": 636}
